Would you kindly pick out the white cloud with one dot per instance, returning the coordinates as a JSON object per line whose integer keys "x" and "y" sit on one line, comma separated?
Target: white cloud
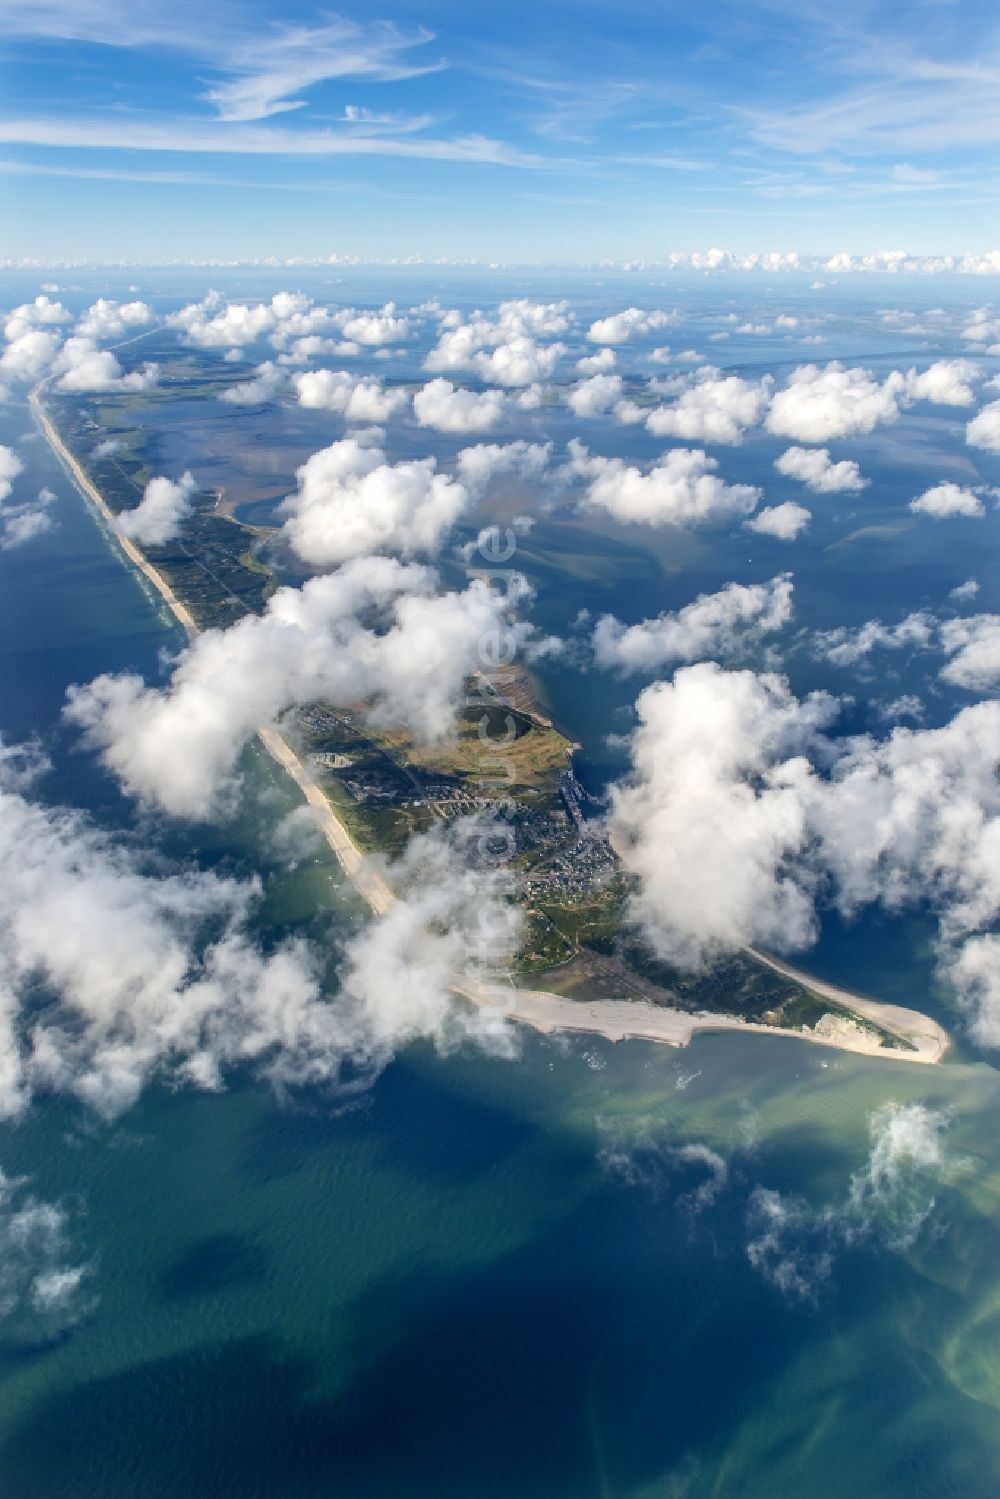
{"x": 819, "y": 404}
{"x": 22, "y": 523}
{"x": 443, "y": 406}
{"x": 945, "y": 500}
{"x": 110, "y": 319}
{"x": 846, "y": 647}
{"x": 83, "y": 366}
{"x": 269, "y": 69}
{"x": 714, "y": 625}
{"x": 946, "y": 383}
{"x": 973, "y": 644}
{"x": 515, "y": 356}
{"x": 715, "y": 408}
{"x": 965, "y": 592}
{"x": 983, "y": 327}
{"x": 597, "y": 364}
{"x": 268, "y": 382}
{"x": 818, "y": 472}
{"x": 150, "y": 971}
{"x": 784, "y": 522}
{"x": 519, "y": 361}
{"x": 177, "y": 745}
{"x": 42, "y": 312}
{"x": 212, "y": 324}
{"x": 984, "y": 429}
{"x": 453, "y": 921}
{"x": 351, "y": 501}
{"x": 357, "y": 398}
{"x": 714, "y": 810}
{"x": 742, "y": 813}
{"x": 10, "y": 467}
{"x": 159, "y": 515}
{"x": 373, "y": 329}
{"x": 596, "y": 396}
{"x": 680, "y": 489}
{"x": 42, "y": 1294}
{"x": 478, "y": 465}
{"x": 633, "y": 322}
{"x": 970, "y": 644}
{"x": 29, "y": 355}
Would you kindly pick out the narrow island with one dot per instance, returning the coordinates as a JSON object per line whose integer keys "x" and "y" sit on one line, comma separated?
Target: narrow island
{"x": 581, "y": 968}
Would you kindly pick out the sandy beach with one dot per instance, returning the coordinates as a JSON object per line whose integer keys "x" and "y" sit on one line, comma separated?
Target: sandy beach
{"x": 615, "y": 1020}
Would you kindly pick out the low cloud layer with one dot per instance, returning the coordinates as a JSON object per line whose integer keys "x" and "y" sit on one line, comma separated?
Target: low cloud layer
{"x": 159, "y": 515}
{"x": 681, "y": 489}
{"x": 744, "y": 816}
{"x": 157, "y": 972}
{"x": 715, "y": 625}
{"x": 177, "y": 746}
{"x": 817, "y": 471}
{"x": 351, "y": 501}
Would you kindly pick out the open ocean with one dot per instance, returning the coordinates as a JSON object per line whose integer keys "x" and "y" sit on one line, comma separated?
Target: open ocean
{"x": 479, "y": 1278}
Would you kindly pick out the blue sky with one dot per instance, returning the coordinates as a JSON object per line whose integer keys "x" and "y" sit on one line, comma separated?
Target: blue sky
{"x": 556, "y": 130}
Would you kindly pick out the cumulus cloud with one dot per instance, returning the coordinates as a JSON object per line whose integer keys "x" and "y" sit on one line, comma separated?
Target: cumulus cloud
{"x": 29, "y": 355}
{"x": 984, "y": 430}
{"x": 633, "y": 322}
{"x": 815, "y": 468}
{"x": 714, "y": 810}
{"x": 596, "y": 396}
{"x": 742, "y": 814}
{"x": 680, "y": 489}
{"x": 356, "y": 398}
{"x": 973, "y": 646}
{"x": 714, "y": 408}
{"x": 945, "y": 500}
{"x": 159, "y": 515}
{"x": 83, "y": 366}
{"x": 480, "y": 464}
{"x": 784, "y": 522}
{"x": 268, "y": 382}
{"x": 519, "y": 361}
{"x": 110, "y": 319}
{"x": 446, "y": 408}
{"x": 10, "y": 467}
{"x": 945, "y": 383}
{"x": 503, "y": 349}
{"x": 177, "y": 746}
{"x": 351, "y": 501}
{"x": 289, "y": 319}
{"x": 454, "y": 922}
{"x": 150, "y": 971}
{"x": 819, "y": 404}
{"x": 715, "y": 625}
{"x": 597, "y": 364}
{"x": 22, "y": 523}
{"x": 846, "y": 647}
{"x": 214, "y": 323}
{"x": 41, "y": 313}
{"x": 373, "y": 329}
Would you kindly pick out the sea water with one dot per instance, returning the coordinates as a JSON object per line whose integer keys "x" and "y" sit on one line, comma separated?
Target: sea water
{"x": 482, "y": 1277}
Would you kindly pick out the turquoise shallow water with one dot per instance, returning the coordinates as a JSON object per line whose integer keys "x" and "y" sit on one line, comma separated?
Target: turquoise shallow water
{"x": 479, "y": 1278}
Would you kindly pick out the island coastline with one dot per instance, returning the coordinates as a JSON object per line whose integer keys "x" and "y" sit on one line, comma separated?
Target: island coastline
{"x": 614, "y": 1020}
